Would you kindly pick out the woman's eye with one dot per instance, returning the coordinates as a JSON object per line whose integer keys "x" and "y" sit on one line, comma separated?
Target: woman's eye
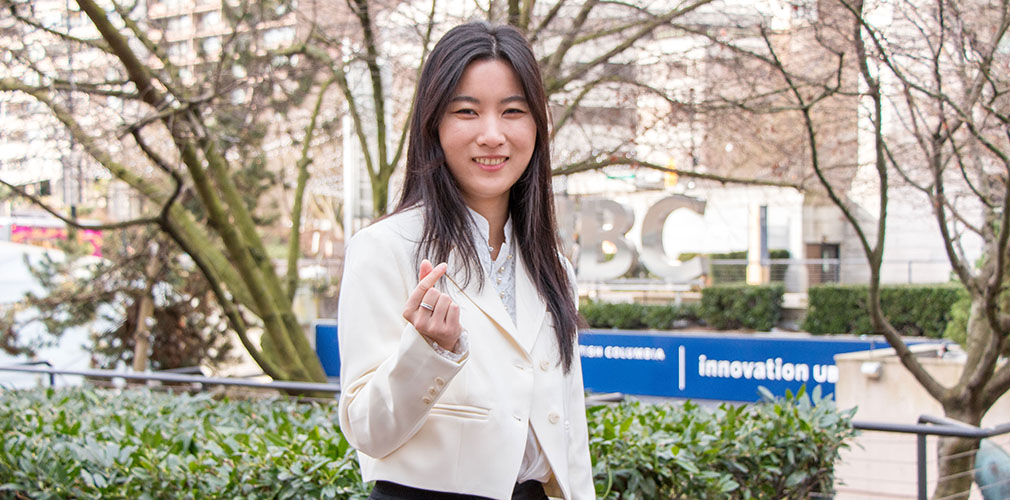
{"x": 465, "y": 111}
{"x": 514, "y": 111}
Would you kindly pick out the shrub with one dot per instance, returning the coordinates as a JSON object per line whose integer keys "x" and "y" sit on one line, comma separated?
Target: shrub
{"x": 724, "y": 274}
{"x": 83, "y": 443}
{"x": 88, "y": 443}
{"x": 957, "y": 324}
{"x": 594, "y": 313}
{"x": 782, "y": 449}
{"x": 626, "y": 316}
{"x": 914, "y": 310}
{"x": 612, "y": 315}
{"x": 660, "y": 317}
{"x": 634, "y": 316}
{"x": 742, "y": 306}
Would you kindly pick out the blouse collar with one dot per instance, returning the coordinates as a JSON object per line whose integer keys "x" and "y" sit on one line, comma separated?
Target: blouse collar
{"x": 482, "y": 230}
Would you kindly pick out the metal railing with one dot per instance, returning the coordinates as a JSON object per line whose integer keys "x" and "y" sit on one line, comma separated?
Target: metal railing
{"x": 52, "y": 377}
{"x": 796, "y": 275}
{"x": 799, "y": 274}
{"x": 927, "y": 425}
{"x": 178, "y": 378}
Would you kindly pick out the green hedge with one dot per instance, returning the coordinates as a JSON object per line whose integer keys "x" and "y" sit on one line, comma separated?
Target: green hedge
{"x": 783, "y": 449}
{"x": 742, "y": 306}
{"x": 635, "y": 316}
{"x": 724, "y": 274}
{"x": 88, "y": 443}
{"x": 915, "y": 310}
{"x": 85, "y": 443}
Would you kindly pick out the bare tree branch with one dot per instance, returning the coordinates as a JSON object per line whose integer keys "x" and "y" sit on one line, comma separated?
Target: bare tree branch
{"x": 156, "y": 49}
{"x": 608, "y": 160}
{"x": 534, "y": 35}
{"x": 557, "y": 83}
{"x": 73, "y": 221}
{"x": 95, "y": 44}
{"x": 302, "y": 165}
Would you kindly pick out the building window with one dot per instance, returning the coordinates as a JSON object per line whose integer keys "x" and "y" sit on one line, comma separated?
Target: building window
{"x": 211, "y": 46}
{"x": 210, "y": 20}
{"x": 827, "y": 267}
{"x": 178, "y": 50}
{"x": 277, "y": 37}
{"x": 180, "y": 23}
{"x": 170, "y": 4}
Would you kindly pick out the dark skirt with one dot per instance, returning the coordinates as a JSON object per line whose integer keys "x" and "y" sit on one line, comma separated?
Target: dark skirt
{"x": 385, "y": 490}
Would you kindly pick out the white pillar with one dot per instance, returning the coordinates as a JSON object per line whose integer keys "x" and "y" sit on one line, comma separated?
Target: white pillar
{"x": 757, "y": 245}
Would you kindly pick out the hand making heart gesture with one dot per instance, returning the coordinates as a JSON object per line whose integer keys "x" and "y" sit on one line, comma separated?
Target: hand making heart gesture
{"x": 432, "y": 312}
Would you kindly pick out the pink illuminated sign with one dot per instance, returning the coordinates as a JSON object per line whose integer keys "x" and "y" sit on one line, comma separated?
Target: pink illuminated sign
{"x": 47, "y": 236}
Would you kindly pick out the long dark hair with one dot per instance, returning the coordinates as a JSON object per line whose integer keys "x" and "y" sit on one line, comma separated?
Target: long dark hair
{"x": 429, "y": 183}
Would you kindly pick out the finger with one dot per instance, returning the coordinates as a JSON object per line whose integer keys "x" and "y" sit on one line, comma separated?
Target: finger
{"x": 441, "y": 308}
{"x": 432, "y": 277}
{"x": 431, "y": 297}
{"x": 452, "y": 317}
{"x": 413, "y": 301}
{"x": 424, "y": 270}
{"x": 426, "y": 283}
{"x": 428, "y": 278}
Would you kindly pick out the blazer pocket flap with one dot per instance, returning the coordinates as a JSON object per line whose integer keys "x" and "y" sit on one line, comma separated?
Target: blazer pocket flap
{"x": 460, "y": 411}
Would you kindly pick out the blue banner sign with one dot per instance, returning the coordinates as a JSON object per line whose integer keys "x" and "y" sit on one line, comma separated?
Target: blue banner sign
{"x": 327, "y": 349}
{"x": 728, "y": 367}
{"x": 719, "y": 366}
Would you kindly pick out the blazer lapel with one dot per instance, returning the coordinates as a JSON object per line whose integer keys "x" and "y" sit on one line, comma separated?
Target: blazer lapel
{"x": 489, "y": 303}
{"x": 530, "y": 308}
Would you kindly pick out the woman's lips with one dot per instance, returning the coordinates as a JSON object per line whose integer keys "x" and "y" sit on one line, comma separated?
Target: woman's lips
{"x": 490, "y": 162}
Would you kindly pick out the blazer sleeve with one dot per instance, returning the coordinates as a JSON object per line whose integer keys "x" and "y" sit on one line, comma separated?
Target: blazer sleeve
{"x": 387, "y": 369}
{"x": 580, "y": 465}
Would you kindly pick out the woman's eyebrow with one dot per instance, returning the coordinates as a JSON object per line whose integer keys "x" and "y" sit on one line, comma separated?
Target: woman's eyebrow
{"x": 474, "y": 100}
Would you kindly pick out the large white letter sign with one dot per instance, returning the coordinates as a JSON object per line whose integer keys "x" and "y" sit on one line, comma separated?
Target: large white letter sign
{"x": 652, "y": 253}
{"x": 593, "y": 265}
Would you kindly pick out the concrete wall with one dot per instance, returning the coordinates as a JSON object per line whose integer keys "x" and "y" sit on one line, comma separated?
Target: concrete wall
{"x": 882, "y": 465}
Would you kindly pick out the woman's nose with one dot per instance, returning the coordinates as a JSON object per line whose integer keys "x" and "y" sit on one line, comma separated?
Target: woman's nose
{"x": 491, "y": 133}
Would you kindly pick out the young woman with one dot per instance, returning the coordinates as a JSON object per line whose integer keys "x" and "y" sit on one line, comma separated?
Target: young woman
{"x": 461, "y": 380}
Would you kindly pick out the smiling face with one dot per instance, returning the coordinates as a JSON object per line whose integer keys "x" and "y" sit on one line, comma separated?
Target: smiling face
{"x": 487, "y": 134}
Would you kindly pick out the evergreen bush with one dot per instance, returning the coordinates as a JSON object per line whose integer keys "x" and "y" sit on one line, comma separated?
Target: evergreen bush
{"x": 87, "y": 443}
{"x": 636, "y": 316}
{"x": 742, "y": 306}
{"x": 914, "y": 310}
{"x": 724, "y": 274}
{"x": 783, "y": 449}
{"x": 92, "y": 443}
{"x": 957, "y": 324}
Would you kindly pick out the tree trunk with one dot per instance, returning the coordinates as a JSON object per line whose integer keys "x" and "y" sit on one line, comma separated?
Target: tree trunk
{"x": 141, "y": 333}
{"x": 380, "y": 195}
{"x": 955, "y": 457}
{"x": 955, "y": 465}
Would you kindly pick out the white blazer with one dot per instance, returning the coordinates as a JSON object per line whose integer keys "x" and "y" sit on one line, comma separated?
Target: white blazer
{"x": 419, "y": 419}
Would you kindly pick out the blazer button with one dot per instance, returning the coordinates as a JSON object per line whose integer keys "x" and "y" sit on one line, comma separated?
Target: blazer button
{"x": 432, "y": 391}
{"x": 439, "y": 381}
{"x": 553, "y": 417}
{"x": 545, "y": 365}
{"x": 426, "y": 400}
